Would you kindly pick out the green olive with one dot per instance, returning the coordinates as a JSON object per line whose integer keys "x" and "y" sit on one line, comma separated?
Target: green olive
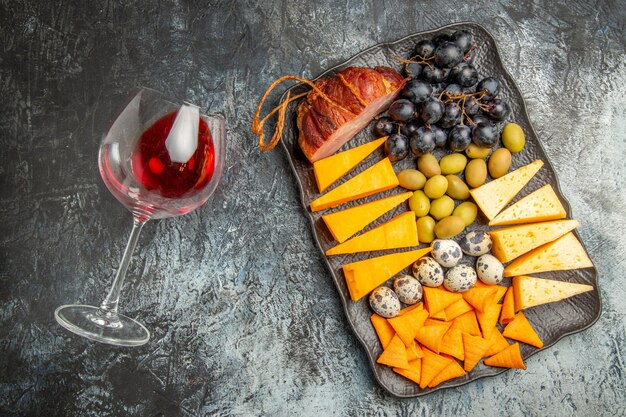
{"x": 452, "y": 163}
{"x": 474, "y": 151}
{"x": 425, "y": 229}
{"x": 411, "y": 179}
{"x": 476, "y": 173}
{"x": 428, "y": 165}
{"x": 449, "y": 226}
{"x": 513, "y": 137}
{"x": 467, "y": 211}
{"x": 441, "y": 207}
{"x": 499, "y": 162}
{"x": 436, "y": 186}
{"x": 457, "y": 189}
{"x": 419, "y": 203}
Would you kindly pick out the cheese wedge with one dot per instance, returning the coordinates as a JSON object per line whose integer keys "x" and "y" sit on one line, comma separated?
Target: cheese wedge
{"x": 564, "y": 253}
{"x": 530, "y": 291}
{"x": 493, "y": 196}
{"x": 379, "y": 177}
{"x": 329, "y": 170}
{"x": 345, "y": 223}
{"x": 539, "y": 206}
{"x": 399, "y": 232}
{"x": 511, "y": 242}
{"x": 363, "y": 276}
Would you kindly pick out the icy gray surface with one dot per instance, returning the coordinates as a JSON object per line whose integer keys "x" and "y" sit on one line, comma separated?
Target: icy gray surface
{"x": 244, "y": 315}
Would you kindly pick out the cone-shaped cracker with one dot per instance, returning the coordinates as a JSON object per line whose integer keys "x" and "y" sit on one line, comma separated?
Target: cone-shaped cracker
{"x": 432, "y": 365}
{"x": 414, "y": 351}
{"x": 453, "y": 370}
{"x": 520, "y": 329}
{"x": 452, "y": 344}
{"x": 480, "y": 297}
{"x": 488, "y": 319}
{"x": 508, "y": 358}
{"x": 508, "y": 307}
{"x": 467, "y": 323}
{"x": 455, "y": 310}
{"x": 408, "y": 309}
{"x": 439, "y": 298}
{"x": 499, "y": 343}
{"x": 413, "y": 372}
{"x": 383, "y": 329}
{"x": 407, "y": 324}
{"x": 394, "y": 354}
{"x": 475, "y": 348}
{"x": 430, "y": 336}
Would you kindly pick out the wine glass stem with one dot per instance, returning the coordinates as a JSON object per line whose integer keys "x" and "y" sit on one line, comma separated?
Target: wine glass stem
{"x": 108, "y": 308}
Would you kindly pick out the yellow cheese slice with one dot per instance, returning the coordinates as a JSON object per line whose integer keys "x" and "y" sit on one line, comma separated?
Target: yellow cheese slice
{"x": 511, "y": 242}
{"x": 539, "y": 206}
{"x": 531, "y": 291}
{"x": 345, "y": 223}
{"x": 494, "y": 195}
{"x": 379, "y": 177}
{"x": 399, "y": 232}
{"x": 329, "y": 170}
{"x": 562, "y": 254}
{"x": 363, "y": 276}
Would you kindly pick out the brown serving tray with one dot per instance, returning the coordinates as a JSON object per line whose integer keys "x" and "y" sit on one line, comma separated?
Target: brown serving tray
{"x": 552, "y": 321}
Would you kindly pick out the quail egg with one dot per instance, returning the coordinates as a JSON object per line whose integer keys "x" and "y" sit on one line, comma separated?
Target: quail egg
{"x": 460, "y": 278}
{"x": 446, "y": 252}
{"x": 489, "y": 269}
{"x": 476, "y": 243}
{"x": 408, "y": 289}
{"x": 385, "y": 302}
{"x": 428, "y": 272}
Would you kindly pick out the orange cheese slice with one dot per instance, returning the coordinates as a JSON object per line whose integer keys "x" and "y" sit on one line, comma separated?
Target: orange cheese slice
{"x": 329, "y": 170}
{"x": 515, "y": 241}
{"x": 363, "y": 276}
{"x": 539, "y": 206}
{"x": 399, "y": 232}
{"x": 493, "y": 196}
{"x": 345, "y": 223}
{"x": 564, "y": 253}
{"x": 379, "y": 177}
{"x": 531, "y": 291}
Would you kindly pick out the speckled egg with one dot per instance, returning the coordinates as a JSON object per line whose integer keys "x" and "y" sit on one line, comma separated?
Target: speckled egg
{"x": 489, "y": 269}
{"x": 385, "y": 302}
{"x": 476, "y": 243}
{"x": 408, "y": 289}
{"x": 428, "y": 272}
{"x": 460, "y": 278}
{"x": 447, "y": 252}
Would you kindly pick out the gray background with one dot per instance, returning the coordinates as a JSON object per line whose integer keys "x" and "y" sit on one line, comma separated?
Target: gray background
{"x": 244, "y": 316}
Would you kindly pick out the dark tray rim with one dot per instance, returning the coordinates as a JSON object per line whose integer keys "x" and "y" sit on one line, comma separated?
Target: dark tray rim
{"x": 372, "y": 360}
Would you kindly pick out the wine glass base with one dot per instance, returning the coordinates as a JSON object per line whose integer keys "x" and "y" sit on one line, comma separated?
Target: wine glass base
{"x": 89, "y": 322}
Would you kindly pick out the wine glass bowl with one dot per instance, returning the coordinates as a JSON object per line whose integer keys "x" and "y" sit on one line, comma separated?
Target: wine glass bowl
{"x": 159, "y": 159}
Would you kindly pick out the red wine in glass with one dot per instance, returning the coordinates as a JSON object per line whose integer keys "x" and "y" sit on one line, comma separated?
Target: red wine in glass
{"x": 159, "y": 159}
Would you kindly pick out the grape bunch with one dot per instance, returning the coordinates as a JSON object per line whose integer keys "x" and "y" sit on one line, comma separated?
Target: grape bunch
{"x": 443, "y": 104}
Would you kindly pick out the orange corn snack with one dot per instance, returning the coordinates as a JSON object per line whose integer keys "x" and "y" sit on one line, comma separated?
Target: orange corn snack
{"x": 455, "y": 310}
{"x": 440, "y": 315}
{"x": 510, "y": 357}
{"x": 383, "y": 329}
{"x": 432, "y": 365}
{"x": 408, "y": 309}
{"x": 414, "y": 351}
{"x": 500, "y": 290}
{"x": 453, "y": 370}
{"x": 475, "y": 348}
{"x": 430, "y": 336}
{"x": 413, "y": 372}
{"x": 407, "y": 324}
{"x": 520, "y": 329}
{"x": 394, "y": 354}
{"x": 452, "y": 344}
{"x": 499, "y": 343}
{"x": 467, "y": 323}
{"x": 488, "y": 319}
{"x": 439, "y": 298}
{"x": 480, "y": 297}
{"x": 508, "y": 307}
